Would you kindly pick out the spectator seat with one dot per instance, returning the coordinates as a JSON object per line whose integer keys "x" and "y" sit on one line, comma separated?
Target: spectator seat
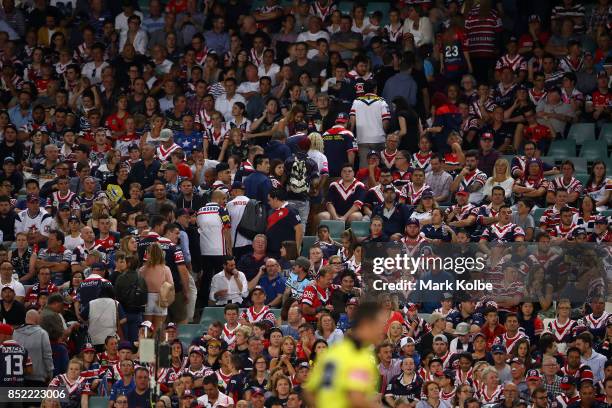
{"x": 96, "y": 401}
{"x": 594, "y": 150}
{"x": 606, "y": 133}
{"x": 307, "y": 242}
{"x": 582, "y": 132}
{"x": 210, "y": 314}
{"x": 562, "y": 148}
{"x": 188, "y": 332}
{"x": 361, "y": 228}
{"x": 537, "y": 214}
{"x": 336, "y": 227}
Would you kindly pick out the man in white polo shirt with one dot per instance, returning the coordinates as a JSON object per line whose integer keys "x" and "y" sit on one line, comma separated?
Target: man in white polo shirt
{"x": 369, "y": 121}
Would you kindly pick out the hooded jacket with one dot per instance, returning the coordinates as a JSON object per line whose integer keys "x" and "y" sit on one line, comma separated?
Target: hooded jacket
{"x": 36, "y": 341}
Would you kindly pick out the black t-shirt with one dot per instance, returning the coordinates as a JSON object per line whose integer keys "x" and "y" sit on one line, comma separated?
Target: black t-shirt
{"x": 15, "y": 151}
{"x": 15, "y": 316}
{"x": 311, "y": 67}
{"x": 410, "y": 141}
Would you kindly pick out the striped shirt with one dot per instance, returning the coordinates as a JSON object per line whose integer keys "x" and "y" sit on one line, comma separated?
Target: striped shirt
{"x": 573, "y": 186}
{"x": 552, "y": 217}
{"x": 575, "y": 12}
{"x": 482, "y": 31}
{"x": 516, "y": 63}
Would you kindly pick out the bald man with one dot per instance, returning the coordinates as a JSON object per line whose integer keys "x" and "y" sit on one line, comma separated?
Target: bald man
{"x": 36, "y": 341}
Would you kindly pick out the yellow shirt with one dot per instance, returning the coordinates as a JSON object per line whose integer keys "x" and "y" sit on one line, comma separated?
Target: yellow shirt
{"x": 342, "y": 368}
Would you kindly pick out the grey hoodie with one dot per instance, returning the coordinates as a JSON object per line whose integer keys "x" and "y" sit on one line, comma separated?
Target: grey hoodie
{"x": 36, "y": 341}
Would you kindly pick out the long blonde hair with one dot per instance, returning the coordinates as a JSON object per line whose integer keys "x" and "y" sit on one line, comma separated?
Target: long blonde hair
{"x": 155, "y": 255}
{"x": 316, "y": 141}
{"x": 500, "y": 161}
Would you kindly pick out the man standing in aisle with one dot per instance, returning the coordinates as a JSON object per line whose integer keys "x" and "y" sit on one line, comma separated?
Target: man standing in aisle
{"x": 369, "y": 121}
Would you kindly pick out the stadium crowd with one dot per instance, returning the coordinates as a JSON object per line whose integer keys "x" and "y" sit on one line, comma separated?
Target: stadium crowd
{"x": 158, "y": 164}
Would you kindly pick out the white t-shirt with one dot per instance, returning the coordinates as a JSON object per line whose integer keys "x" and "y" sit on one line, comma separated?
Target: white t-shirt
{"x": 235, "y": 208}
{"x": 369, "y": 111}
{"x": 71, "y": 243}
{"x": 271, "y": 72}
{"x": 212, "y": 220}
{"x": 246, "y": 87}
{"x": 17, "y": 287}
{"x": 308, "y": 36}
{"x": 321, "y": 161}
{"x": 224, "y": 105}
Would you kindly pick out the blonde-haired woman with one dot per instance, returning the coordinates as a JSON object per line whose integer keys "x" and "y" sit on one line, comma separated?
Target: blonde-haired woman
{"x": 501, "y": 177}
{"x": 491, "y": 390}
{"x": 155, "y": 273}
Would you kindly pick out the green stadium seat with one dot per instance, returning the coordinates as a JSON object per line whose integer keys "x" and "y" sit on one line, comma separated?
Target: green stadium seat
{"x": 307, "y": 242}
{"x": 509, "y": 158}
{"x": 148, "y": 200}
{"x": 382, "y": 7}
{"x": 187, "y": 332}
{"x": 606, "y": 133}
{"x": 594, "y": 150}
{"x": 580, "y": 165}
{"x": 336, "y": 227}
{"x": 361, "y": 228}
{"x": 537, "y": 214}
{"x": 96, "y": 401}
{"x": 210, "y": 314}
{"x": 582, "y": 132}
{"x": 582, "y": 177}
{"x": 562, "y": 148}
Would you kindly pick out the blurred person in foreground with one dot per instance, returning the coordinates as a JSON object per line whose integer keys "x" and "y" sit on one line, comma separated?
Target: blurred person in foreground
{"x": 346, "y": 372}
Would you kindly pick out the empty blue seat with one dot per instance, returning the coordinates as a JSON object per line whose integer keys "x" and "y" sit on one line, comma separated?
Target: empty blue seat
{"x": 594, "y": 150}
{"x": 581, "y": 132}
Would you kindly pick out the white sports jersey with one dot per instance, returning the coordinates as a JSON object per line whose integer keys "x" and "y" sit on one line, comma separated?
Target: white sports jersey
{"x": 369, "y": 111}
{"x": 39, "y": 223}
{"x": 235, "y": 208}
{"x": 212, "y": 220}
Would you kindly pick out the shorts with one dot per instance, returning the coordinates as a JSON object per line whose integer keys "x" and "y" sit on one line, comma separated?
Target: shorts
{"x": 152, "y": 308}
{"x": 177, "y": 311}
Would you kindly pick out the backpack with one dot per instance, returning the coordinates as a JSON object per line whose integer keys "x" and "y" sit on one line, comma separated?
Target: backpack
{"x": 297, "y": 182}
{"x": 134, "y": 293}
{"x": 254, "y": 220}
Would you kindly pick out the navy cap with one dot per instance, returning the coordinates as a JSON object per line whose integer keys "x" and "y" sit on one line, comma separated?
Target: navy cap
{"x": 9, "y": 159}
{"x": 342, "y": 117}
{"x": 601, "y": 219}
{"x": 413, "y": 221}
{"x": 237, "y": 185}
{"x": 498, "y": 349}
{"x": 373, "y": 153}
{"x": 427, "y": 194}
{"x": 533, "y": 374}
{"x": 99, "y": 265}
{"x": 221, "y": 167}
{"x": 567, "y": 381}
{"x": 125, "y": 345}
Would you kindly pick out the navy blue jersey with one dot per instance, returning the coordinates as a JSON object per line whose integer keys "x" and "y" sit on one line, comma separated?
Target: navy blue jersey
{"x": 397, "y": 387}
{"x": 455, "y": 317}
{"x": 440, "y": 233}
{"x": 13, "y": 362}
{"x": 91, "y": 288}
{"x": 338, "y": 142}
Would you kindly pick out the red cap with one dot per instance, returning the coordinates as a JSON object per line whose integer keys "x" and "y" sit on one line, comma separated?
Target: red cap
{"x": 6, "y": 329}
{"x": 462, "y": 193}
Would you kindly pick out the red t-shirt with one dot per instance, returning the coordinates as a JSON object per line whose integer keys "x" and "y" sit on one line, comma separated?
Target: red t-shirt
{"x": 536, "y": 133}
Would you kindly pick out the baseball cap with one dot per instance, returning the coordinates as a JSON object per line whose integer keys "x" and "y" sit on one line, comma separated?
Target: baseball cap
{"x": 462, "y": 329}
{"x": 486, "y": 136}
{"x": 479, "y": 334}
{"x": 412, "y": 221}
{"x": 171, "y": 326}
{"x": 512, "y": 39}
{"x": 515, "y": 360}
{"x": 32, "y": 198}
{"x": 237, "y": 185}
{"x": 257, "y": 391}
{"x": 102, "y": 266}
{"x": 373, "y": 153}
{"x": 6, "y": 329}
{"x": 567, "y": 381}
{"x": 7, "y": 286}
{"x": 462, "y": 193}
{"x": 303, "y": 262}
{"x": 406, "y": 340}
{"x": 434, "y": 317}
{"x": 389, "y": 187}
{"x": 9, "y": 159}
{"x": 447, "y": 296}
{"x": 609, "y": 321}
{"x": 498, "y": 349}
{"x": 304, "y": 364}
{"x": 165, "y": 134}
{"x": 534, "y": 18}
{"x": 171, "y": 166}
{"x": 342, "y": 118}
{"x": 579, "y": 231}
{"x": 125, "y": 345}
{"x": 64, "y": 206}
{"x": 533, "y": 374}
{"x": 440, "y": 337}
{"x": 427, "y": 194}
{"x": 258, "y": 288}
{"x": 197, "y": 349}
{"x": 188, "y": 393}
{"x": 88, "y": 347}
{"x": 147, "y": 324}
{"x": 354, "y": 301}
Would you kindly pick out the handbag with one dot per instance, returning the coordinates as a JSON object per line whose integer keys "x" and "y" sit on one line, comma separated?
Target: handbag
{"x": 167, "y": 294}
